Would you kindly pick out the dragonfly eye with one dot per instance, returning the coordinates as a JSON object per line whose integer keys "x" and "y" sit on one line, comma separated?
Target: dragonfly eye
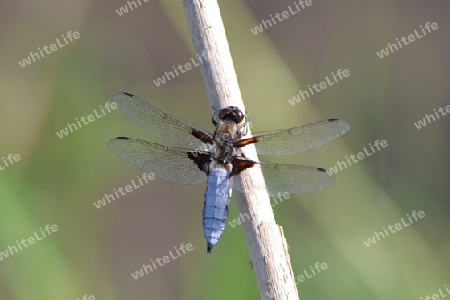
{"x": 231, "y": 113}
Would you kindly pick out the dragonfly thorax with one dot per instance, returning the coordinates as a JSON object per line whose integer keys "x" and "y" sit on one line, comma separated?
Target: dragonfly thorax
{"x": 223, "y": 149}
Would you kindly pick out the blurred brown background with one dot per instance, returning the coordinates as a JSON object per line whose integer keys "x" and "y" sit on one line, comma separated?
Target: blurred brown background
{"x": 95, "y": 250}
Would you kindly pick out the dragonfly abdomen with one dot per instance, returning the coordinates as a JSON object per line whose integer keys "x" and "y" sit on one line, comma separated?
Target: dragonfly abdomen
{"x": 215, "y": 209}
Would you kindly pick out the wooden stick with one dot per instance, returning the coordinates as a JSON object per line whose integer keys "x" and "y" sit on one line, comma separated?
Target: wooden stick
{"x": 266, "y": 243}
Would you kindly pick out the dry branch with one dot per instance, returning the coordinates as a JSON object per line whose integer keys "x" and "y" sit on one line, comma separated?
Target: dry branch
{"x": 267, "y": 246}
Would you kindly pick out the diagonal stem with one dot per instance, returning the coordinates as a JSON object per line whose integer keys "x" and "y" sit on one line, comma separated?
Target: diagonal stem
{"x": 266, "y": 243}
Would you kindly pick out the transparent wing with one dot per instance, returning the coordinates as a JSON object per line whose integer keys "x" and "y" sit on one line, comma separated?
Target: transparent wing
{"x": 290, "y": 178}
{"x": 295, "y": 178}
{"x": 160, "y": 124}
{"x": 167, "y": 163}
{"x": 299, "y": 139}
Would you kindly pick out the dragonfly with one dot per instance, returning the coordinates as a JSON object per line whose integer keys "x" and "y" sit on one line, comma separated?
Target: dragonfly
{"x": 219, "y": 157}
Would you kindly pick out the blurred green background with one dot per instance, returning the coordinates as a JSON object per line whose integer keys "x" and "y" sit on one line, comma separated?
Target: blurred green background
{"x": 95, "y": 250}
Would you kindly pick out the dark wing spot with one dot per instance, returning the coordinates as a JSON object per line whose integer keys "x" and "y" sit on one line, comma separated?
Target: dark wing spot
{"x": 242, "y": 143}
{"x": 122, "y": 138}
{"x": 202, "y": 160}
{"x": 322, "y": 170}
{"x": 332, "y": 120}
{"x": 240, "y": 165}
{"x": 205, "y": 138}
{"x": 128, "y": 94}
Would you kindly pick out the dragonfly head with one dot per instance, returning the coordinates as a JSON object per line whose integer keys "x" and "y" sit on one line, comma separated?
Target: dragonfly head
{"x": 234, "y": 115}
{"x": 231, "y": 113}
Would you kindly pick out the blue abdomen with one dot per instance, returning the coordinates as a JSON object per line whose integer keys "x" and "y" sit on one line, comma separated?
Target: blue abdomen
{"x": 215, "y": 209}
